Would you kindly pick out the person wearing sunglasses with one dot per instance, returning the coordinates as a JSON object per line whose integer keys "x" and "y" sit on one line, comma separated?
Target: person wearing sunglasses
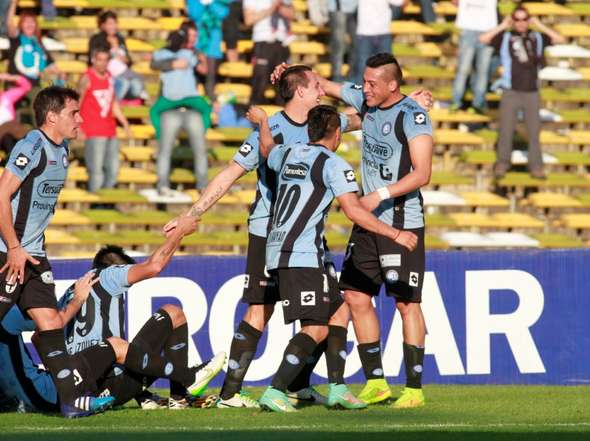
{"x": 521, "y": 55}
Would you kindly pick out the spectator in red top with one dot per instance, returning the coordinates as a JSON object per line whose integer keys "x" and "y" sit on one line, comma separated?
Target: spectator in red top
{"x": 100, "y": 110}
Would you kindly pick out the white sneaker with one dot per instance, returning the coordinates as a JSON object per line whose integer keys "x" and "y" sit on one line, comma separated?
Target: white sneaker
{"x": 241, "y": 399}
{"x": 174, "y": 404}
{"x": 206, "y": 373}
{"x": 154, "y": 402}
{"x": 306, "y": 397}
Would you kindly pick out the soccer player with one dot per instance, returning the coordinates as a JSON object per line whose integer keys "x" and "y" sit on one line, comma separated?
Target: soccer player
{"x": 102, "y": 322}
{"x": 29, "y": 187}
{"x": 299, "y": 88}
{"x": 309, "y": 177}
{"x": 396, "y": 162}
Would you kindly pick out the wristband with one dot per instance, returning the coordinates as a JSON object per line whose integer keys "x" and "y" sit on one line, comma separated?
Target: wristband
{"x": 383, "y": 193}
{"x": 398, "y": 234}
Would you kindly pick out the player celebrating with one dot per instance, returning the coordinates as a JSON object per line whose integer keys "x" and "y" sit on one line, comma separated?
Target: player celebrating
{"x": 396, "y": 162}
{"x": 29, "y": 188}
{"x": 309, "y": 177}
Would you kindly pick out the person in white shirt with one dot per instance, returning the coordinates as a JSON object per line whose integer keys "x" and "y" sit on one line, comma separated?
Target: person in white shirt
{"x": 474, "y": 17}
{"x": 373, "y": 32}
{"x": 270, "y": 43}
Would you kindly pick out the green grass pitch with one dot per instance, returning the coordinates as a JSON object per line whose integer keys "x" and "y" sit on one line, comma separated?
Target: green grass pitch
{"x": 452, "y": 413}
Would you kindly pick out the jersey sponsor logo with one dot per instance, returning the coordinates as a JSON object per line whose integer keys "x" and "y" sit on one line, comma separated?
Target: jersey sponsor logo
{"x": 420, "y": 118}
{"x": 245, "y": 149}
{"x": 308, "y": 298}
{"x": 376, "y": 148}
{"x": 50, "y": 188}
{"x": 414, "y": 279}
{"x": 44, "y": 206}
{"x": 390, "y": 260}
{"x": 386, "y": 128}
{"x": 21, "y": 161}
{"x": 349, "y": 176}
{"x": 295, "y": 171}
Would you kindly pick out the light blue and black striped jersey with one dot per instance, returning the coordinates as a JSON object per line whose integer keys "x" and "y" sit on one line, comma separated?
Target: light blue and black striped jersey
{"x": 284, "y": 131}
{"x": 102, "y": 315}
{"x": 309, "y": 177}
{"x": 21, "y": 380}
{"x": 386, "y": 154}
{"x": 42, "y": 167}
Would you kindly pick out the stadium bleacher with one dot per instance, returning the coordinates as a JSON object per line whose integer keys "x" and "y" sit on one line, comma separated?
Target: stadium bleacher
{"x": 465, "y": 207}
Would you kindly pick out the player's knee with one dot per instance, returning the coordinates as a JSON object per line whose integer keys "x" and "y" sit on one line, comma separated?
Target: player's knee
{"x": 317, "y": 332}
{"x": 119, "y": 347}
{"x": 176, "y": 315}
{"x": 357, "y": 302}
{"x": 407, "y": 309}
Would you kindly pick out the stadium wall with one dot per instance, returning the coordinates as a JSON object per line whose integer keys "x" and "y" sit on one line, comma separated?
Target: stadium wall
{"x": 493, "y": 317}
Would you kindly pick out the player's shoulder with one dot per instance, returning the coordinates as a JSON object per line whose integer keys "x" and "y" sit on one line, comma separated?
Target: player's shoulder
{"x": 33, "y": 141}
{"x": 409, "y": 104}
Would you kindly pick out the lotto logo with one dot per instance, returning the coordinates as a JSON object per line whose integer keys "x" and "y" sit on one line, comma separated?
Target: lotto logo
{"x": 21, "y": 161}
{"x": 245, "y": 149}
{"x": 419, "y": 118}
{"x": 308, "y": 298}
{"x": 414, "y": 279}
{"x": 349, "y": 176}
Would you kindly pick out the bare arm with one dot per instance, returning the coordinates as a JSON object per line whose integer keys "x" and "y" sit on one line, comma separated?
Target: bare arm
{"x": 16, "y": 255}
{"x": 421, "y": 148}
{"x": 251, "y": 16}
{"x": 353, "y": 210}
{"x": 11, "y": 27}
{"x": 203, "y": 66}
{"x": 81, "y": 291}
{"x": 118, "y": 114}
{"x": 354, "y": 122}
{"x": 161, "y": 257}
{"x": 83, "y": 84}
{"x": 487, "y": 37}
{"x": 556, "y": 37}
{"x": 258, "y": 116}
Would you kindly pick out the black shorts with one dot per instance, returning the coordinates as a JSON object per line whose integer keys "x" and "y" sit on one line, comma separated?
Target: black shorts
{"x": 37, "y": 290}
{"x": 259, "y": 287}
{"x": 309, "y": 295}
{"x": 231, "y": 25}
{"x": 372, "y": 259}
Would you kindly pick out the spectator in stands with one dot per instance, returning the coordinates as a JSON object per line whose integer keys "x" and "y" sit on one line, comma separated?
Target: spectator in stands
{"x": 373, "y": 32}
{"x": 474, "y": 17}
{"x": 26, "y": 55}
{"x": 342, "y": 21}
{"x": 269, "y": 47}
{"x": 208, "y": 15}
{"x": 180, "y": 105}
{"x": 100, "y": 112}
{"x": 128, "y": 84}
{"x": 5, "y": 5}
{"x": 231, "y": 30}
{"x": 521, "y": 54}
{"x": 12, "y": 95}
{"x": 48, "y": 10}
{"x": 426, "y": 11}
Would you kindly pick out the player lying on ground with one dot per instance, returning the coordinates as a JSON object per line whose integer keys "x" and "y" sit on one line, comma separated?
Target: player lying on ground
{"x": 309, "y": 177}
{"x": 301, "y": 91}
{"x": 396, "y": 162}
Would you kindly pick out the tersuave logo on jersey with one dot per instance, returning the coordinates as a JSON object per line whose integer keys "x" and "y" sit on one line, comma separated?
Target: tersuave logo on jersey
{"x": 295, "y": 171}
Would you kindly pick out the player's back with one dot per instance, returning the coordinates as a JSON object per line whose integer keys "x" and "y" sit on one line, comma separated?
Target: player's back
{"x": 309, "y": 177}
{"x": 42, "y": 167}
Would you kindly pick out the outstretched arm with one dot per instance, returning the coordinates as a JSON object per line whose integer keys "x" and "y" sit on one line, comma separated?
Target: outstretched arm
{"x": 258, "y": 116}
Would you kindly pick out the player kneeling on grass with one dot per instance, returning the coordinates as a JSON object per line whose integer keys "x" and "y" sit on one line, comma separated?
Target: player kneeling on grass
{"x": 309, "y": 177}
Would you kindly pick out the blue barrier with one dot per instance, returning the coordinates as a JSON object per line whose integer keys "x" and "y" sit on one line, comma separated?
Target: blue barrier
{"x": 493, "y": 317}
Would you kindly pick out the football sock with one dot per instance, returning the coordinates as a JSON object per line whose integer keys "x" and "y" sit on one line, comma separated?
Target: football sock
{"x": 241, "y": 354}
{"x": 299, "y": 349}
{"x": 414, "y": 362}
{"x": 176, "y": 350}
{"x": 336, "y": 354}
{"x": 303, "y": 379}
{"x": 153, "y": 364}
{"x": 155, "y": 332}
{"x": 52, "y": 350}
{"x": 370, "y": 355}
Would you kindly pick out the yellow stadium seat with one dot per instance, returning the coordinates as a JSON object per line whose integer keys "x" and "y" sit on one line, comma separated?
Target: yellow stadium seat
{"x": 579, "y": 221}
{"x": 143, "y": 68}
{"x": 305, "y": 28}
{"x": 242, "y": 91}
{"x": 516, "y": 220}
{"x": 69, "y": 217}
{"x": 472, "y": 220}
{"x": 128, "y": 175}
{"x": 77, "y": 174}
{"x": 410, "y": 27}
{"x": 169, "y": 23}
{"x": 76, "y": 195}
{"x": 236, "y": 69}
{"x": 59, "y": 237}
{"x": 550, "y": 137}
{"x": 138, "y": 131}
{"x": 484, "y": 199}
{"x": 550, "y": 9}
{"x": 138, "y": 154}
{"x": 552, "y": 200}
{"x": 579, "y": 137}
{"x": 307, "y": 48}
{"x": 447, "y": 136}
{"x": 444, "y": 115}
{"x": 72, "y": 66}
{"x": 325, "y": 69}
{"x": 573, "y": 30}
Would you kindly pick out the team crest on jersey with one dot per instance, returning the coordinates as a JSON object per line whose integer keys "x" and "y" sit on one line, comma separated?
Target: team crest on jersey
{"x": 349, "y": 176}
{"x": 386, "y": 128}
{"x": 420, "y": 118}
{"x": 21, "y": 161}
{"x": 245, "y": 149}
{"x": 64, "y": 160}
{"x": 295, "y": 171}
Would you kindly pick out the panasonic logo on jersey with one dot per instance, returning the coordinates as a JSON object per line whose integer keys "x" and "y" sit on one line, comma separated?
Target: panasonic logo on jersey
{"x": 295, "y": 171}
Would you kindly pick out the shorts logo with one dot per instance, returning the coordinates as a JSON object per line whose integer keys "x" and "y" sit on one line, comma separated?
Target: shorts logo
{"x": 245, "y": 149}
{"x": 414, "y": 279}
{"x": 54, "y": 354}
{"x": 326, "y": 284}
{"x": 246, "y": 281}
{"x": 103, "y": 344}
{"x": 47, "y": 277}
{"x": 349, "y": 176}
{"x": 308, "y": 298}
{"x": 391, "y": 276}
{"x": 387, "y": 260}
{"x": 348, "y": 251}
{"x": 239, "y": 336}
{"x": 286, "y": 303}
{"x": 356, "y": 86}
{"x": 168, "y": 368}
{"x": 64, "y": 161}
{"x": 145, "y": 361}
{"x": 77, "y": 377}
{"x": 158, "y": 317}
{"x": 266, "y": 273}
{"x": 64, "y": 373}
{"x": 10, "y": 287}
{"x": 21, "y": 161}
{"x": 419, "y": 118}
{"x": 178, "y": 346}
{"x": 386, "y": 128}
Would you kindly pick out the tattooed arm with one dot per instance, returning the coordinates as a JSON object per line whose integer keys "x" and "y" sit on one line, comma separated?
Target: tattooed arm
{"x": 218, "y": 186}
{"x": 161, "y": 257}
